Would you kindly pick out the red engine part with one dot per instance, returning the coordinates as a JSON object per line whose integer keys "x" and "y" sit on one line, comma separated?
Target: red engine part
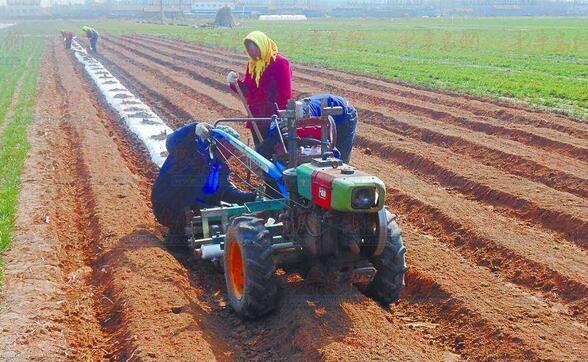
{"x": 309, "y": 132}
{"x": 322, "y": 187}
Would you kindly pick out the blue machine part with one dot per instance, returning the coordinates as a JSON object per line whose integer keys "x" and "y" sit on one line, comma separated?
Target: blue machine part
{"x": 213, "y": 181}
{"x": 266, "y": 165}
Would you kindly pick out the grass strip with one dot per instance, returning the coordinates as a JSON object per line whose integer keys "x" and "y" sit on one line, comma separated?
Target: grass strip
{"x": 15, "y": 147}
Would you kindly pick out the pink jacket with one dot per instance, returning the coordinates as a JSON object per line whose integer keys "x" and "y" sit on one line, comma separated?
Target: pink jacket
{"x": 275, "y": 86}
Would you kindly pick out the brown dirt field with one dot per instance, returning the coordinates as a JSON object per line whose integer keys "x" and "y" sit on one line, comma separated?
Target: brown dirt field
{"x": 491, "y": 197}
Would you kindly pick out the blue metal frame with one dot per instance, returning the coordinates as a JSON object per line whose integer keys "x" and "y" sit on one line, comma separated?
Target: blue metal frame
{"x": 266, "y": 165}
{"x": 222, "y": 214}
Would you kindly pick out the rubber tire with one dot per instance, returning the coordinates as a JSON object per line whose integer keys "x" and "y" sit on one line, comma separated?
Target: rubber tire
{"x": 260, "y": 292}
{"x": 390, "y": 268}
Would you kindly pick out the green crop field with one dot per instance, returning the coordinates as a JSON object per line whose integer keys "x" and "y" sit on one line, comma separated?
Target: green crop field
{"x": 19, "y": 60}
{"x": 541, "y": 61}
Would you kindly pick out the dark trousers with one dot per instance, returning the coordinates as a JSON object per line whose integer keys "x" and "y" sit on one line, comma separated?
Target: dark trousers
{"x": 94, "y": 44}
{"x": 68, "y": 42}
{"x": 346, "y": 135}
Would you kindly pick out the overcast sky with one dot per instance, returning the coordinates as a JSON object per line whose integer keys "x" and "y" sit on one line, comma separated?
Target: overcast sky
{"x": 48, "y": 2}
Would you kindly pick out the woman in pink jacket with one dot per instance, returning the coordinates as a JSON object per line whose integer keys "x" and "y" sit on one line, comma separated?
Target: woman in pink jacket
{"x": 267, "y": 81}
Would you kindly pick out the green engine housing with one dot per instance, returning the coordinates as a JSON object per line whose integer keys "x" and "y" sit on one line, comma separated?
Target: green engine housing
{"x": 333, "y": 185}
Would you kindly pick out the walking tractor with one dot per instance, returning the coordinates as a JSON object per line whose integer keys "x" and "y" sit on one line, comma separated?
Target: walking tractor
{"x": 328, "y": 220}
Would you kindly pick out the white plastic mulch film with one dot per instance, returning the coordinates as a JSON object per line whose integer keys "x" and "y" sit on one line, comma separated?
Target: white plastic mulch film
{"x": 138, "y": 117}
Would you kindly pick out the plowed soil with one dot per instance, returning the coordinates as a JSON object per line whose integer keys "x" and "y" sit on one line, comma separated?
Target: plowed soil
{"x": 492, "y": 199}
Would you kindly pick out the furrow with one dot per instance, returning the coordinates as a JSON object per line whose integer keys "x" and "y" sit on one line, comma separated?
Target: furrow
{"x": 140, "y": 283}
{"x": 255, "y": 341}
{"x": 574, "y": 227}
{"x": 85, "y": 225}
{"x": 494, "y": 156}
{"x": 453, "y": 301}
{"x": 504, "y": 111}
{"x": 206, "y": 102}
{"x": 162, "y": 106}
{"x": 491, "y": 156}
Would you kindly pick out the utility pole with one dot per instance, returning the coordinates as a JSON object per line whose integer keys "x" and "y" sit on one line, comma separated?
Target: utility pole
{"x": 161, "y": 11}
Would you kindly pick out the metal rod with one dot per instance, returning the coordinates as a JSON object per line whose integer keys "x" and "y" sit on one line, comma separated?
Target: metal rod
{"x": 292, "y": 144}
{"x": 242, "y": 97}
{"x": 325, "y": 128}
{"x": 275, "y": 119}
{"x": 237, "y": 119}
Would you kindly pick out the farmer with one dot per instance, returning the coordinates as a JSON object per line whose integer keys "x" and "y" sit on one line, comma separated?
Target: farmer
{"x": 190, "y": 179}
{"x": 267, "y": 81}
{"x": 346, "y": 123}
{"x": 67, "y": 38}
{"x": 92, "y": 35}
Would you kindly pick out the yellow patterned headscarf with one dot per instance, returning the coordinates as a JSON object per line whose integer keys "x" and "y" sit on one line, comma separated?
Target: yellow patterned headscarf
{"x": 269, "y": 51}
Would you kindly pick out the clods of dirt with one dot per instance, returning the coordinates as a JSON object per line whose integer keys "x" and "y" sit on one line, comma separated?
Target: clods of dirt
{"x": 140, "y": 114}
{"x": 149, "y": 121}
{"x": 160, "y": 136}
{"x": 130, "y": 102}
{"x": 134, "y": 109}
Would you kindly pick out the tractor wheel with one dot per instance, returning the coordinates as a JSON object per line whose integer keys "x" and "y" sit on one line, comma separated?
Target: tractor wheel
{"x": 390, "y": 267}
{"x": 250, "y": 272}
